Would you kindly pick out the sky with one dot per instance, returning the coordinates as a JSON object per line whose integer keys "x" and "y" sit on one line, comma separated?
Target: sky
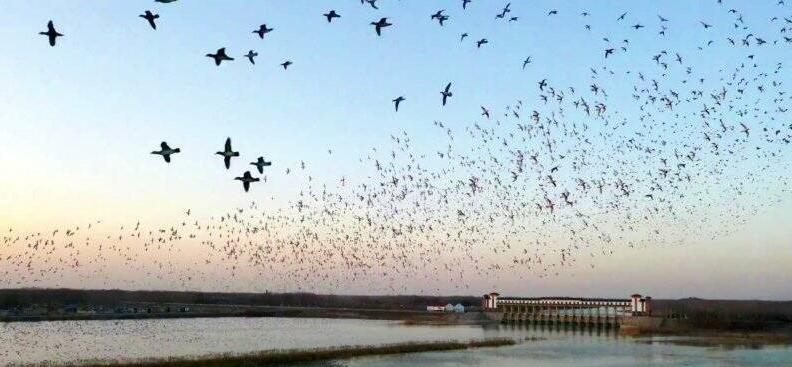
{"x": 77, "y": 121}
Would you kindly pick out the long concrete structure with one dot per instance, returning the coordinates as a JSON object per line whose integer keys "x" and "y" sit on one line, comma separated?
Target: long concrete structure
{"x": 568, "y": 310}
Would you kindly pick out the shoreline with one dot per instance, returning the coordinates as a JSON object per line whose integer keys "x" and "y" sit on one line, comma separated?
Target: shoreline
{"x": 219, "y": 311}
{"x": 294, "y": 356}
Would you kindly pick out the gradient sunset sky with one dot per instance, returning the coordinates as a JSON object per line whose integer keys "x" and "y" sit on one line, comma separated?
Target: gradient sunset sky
{"x": 77, "y": 122}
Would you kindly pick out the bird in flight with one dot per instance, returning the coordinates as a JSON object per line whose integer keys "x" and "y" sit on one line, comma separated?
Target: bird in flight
{"x": 621, "y": 17}
{"x": 397, "y": 101}
{"x": 260, "y": 164}
{"x": 464, "y": 3}
{"x": 166, "y": 151}
{"x": 251, "y": 55}
{"x": 51, "y": 33}
{"x": 330, "y": 15}
{"x": 246, "y": 180}
{"x": 446, "y": 93}
{"x": 382, "y": 23}
{"x": 481, "y": 42}
{"x": 263, "y": 30}
{"x": 462, "y": 36}
{"x": 504, "y": 11}
{"x": 286, "y": 64}
{"x": 149, "y": 16}
{"x": 227, "y": 153}
{"x": 608, "y": 51}
{"x": 220, "y": 56}
{"x": 439, "y": 16}
{"x": 485, "y": 112}
{"x": 526, "y": 62}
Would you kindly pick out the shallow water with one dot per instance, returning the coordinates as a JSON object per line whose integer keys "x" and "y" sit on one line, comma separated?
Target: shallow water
{"x": 71, "y": 341}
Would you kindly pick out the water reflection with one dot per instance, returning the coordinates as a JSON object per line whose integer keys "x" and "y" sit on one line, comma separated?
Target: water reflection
{"x": 581, "y": 346}
{"x": 548, "y": 344}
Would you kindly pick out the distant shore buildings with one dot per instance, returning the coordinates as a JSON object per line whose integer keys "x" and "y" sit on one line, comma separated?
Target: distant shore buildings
{"x": 459, "y": 308}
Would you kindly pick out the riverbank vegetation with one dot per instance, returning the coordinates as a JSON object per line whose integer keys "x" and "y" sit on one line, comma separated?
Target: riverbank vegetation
{"x": 294, "y": 356}
{"x": 25, "y": 297}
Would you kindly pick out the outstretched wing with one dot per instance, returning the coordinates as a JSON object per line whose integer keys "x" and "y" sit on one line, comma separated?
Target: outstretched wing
{"x": 227, "y": 160}
{"x": 164, "y": 146}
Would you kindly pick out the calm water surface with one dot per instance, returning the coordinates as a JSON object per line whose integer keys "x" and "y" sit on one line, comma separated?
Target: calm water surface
{"x": 71, "y": 341}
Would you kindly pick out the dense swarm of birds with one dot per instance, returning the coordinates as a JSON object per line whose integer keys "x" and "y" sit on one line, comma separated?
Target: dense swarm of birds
{"x": 532, "y": 187}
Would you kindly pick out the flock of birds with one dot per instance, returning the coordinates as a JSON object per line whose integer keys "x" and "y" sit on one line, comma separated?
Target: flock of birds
{"x": 227, "y": 153}
{"x": 532, "y": 187}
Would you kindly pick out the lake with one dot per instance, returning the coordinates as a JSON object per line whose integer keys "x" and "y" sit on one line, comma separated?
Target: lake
{"x": 72, "y": 341}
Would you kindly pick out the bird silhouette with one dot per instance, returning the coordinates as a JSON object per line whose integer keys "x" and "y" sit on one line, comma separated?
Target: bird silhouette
{"x": 166, "y": 151}
{"x": 260, "y": 164}
{"x": 228, "y": 153}
{"x": 247, "y": 179}
{"x": 526, "y": 62}
{"x": 446, "y": 93}
{"x": 150, "y": 17}
{"x": 251, "y": 55}
{"x": 330, "y": 15}
{"x": 378, "y": 25}
{"x": 286, "y": 64}
{"x": 439, "y": 16}
{"x": 51, "y": 33}
{"x": 485, "y": 112}
{"x": 220, "y": 56}
{"x": 262, "y": 30}
{"x": 396, "y": 101}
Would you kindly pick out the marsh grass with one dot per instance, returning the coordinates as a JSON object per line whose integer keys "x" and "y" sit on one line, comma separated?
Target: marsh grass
{"x": 293, "y": 356}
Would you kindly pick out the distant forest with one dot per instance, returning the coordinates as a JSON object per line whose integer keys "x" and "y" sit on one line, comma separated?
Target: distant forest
{"x": 729, "y": 314}
{"x": 12, "y": 298}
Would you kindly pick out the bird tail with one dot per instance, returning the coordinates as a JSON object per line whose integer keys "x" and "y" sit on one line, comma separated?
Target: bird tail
{"x": 177, "y": 150}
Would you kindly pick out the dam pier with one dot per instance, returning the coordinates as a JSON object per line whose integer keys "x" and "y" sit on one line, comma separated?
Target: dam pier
{"x": 598, "y": 312}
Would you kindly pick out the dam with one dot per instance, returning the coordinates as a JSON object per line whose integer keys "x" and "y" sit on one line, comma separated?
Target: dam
{"x": 607, "y": 312}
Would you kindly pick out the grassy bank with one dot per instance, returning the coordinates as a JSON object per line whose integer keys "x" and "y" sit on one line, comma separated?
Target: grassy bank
{"x": 290, "y": 356}
{"x": 726, "y": 340}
